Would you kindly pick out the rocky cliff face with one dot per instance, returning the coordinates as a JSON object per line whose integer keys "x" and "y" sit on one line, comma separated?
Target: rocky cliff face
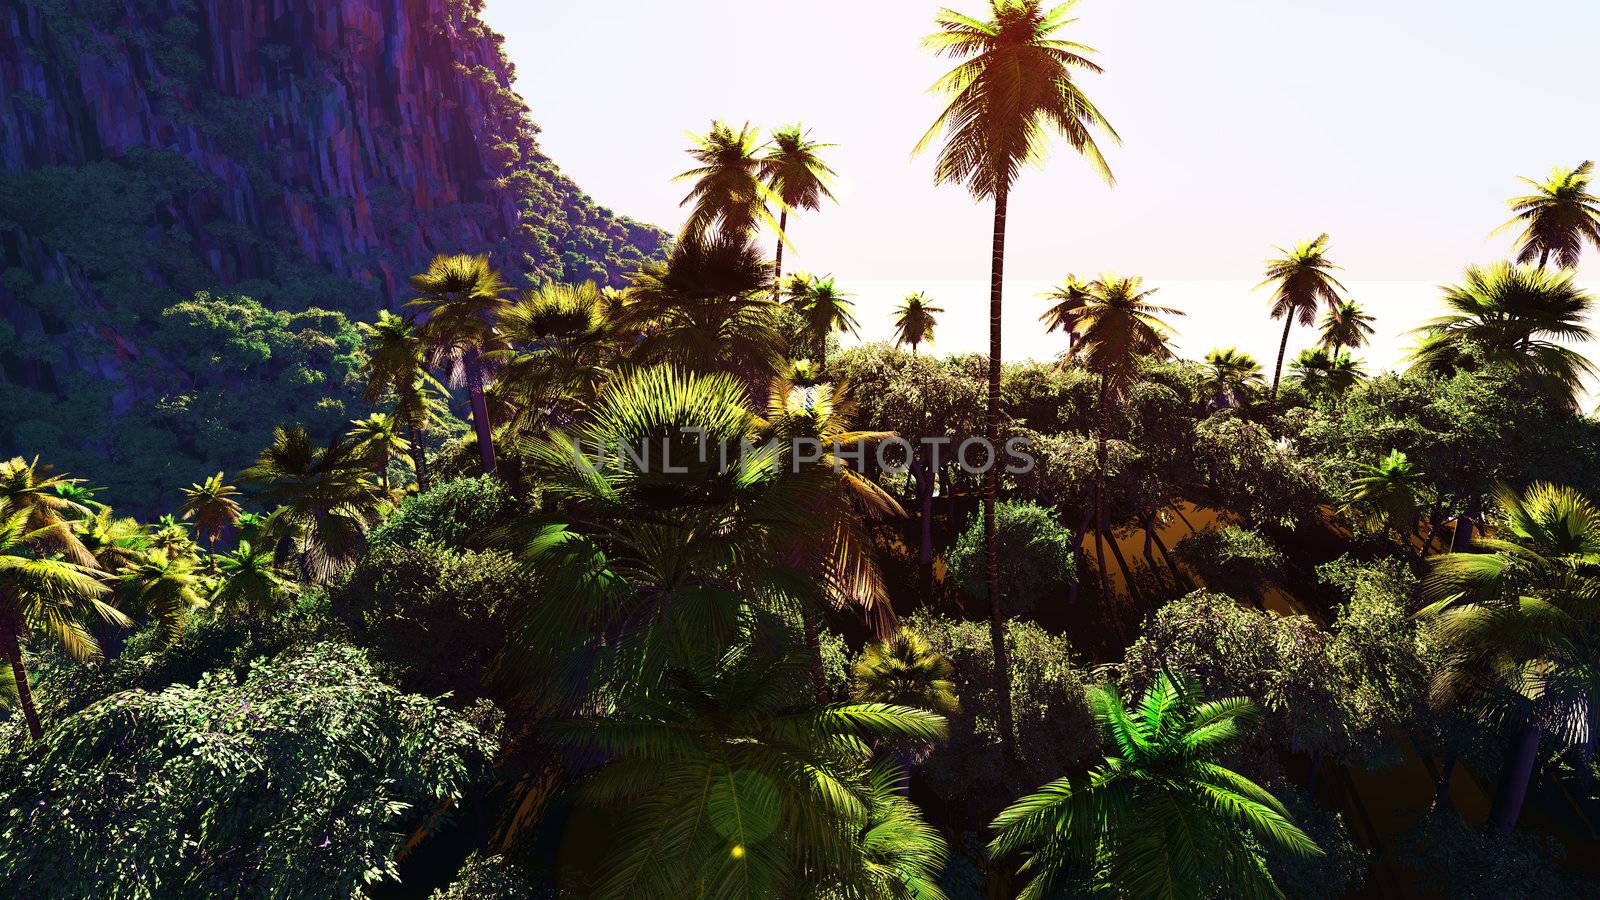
{"x": 308, "y": 153}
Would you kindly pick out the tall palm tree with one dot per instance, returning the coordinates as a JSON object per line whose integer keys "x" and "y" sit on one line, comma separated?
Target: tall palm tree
{"x": 1232, "y": 376}
{"x": 29, "y": 487}
{"x": 164, "y": 588}
{"x": 43, "y": 596}
{"x": 729, "y": 198}
{"x": 1013, "y": 84}
{"x": 1302, "y": 283}
{"x": 397, "y": 364}
{"x": 900, "y": 854}
{"x": 1067, "y": 301}
{"x": 212, "y": 506}
{"x": 706, "y": 308}
{"x": 170, "y": 537}
{"x": 1323, "y": 373}
{"x": 915, "y": 321}
{"x": 1346, "y": 327}
{"x": 729, "y": 790}
{"x": 1558, "y": 218}
{"x": 328, "y": 503}
{"x": 1161, "y": 813}
{"x": 115, "y": 542}
{"x": 377, "y": 440}
{"x": 1119, "y": 326}
{"x": 1519, "y": 618}
{"x": 460, "y": 296}
{"x": 824, "y": 308}
{"x": 793, "y": 170}
{"x": 250, "y": 585}
{"x": 1511, "y": 318}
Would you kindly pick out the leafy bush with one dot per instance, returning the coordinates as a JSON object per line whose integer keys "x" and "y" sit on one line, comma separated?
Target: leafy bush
{"x": 432, "y": 613}
{"x": 301, "y": 779}
{"x": 1231, "y": 560}
{"x": 449, "y": 514}
{"x": 484, "y": 877}
{"x": 1448, "y": 857}
{"x": 1035, "y": 560}
{"x": 1055, "y": 734}
{"x": 1280, "y": 662}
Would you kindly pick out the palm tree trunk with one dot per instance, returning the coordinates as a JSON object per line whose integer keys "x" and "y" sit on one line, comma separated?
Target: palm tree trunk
{"x": 991, "y": 483}
{"x": 921, "y": 471}
{"x": 1127, "y": 573}
{"x": 819, "y": 678}
{"x": 1544, "y": 257}
{"x": 777, "y": 269}
{"x": 480, "y": 410}
{"x": 13, "y": 652}
{"x": 1514, "y": 785}
{"x": 1078, "y": 556}
{"x": 1178, "y": 575}
{"x": 1283, "y": 347}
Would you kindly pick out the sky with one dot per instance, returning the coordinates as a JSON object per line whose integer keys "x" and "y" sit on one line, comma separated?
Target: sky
{"x": 1397, "y": 127}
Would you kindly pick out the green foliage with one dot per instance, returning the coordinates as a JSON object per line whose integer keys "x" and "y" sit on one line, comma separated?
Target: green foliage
{"x": 298, "y": 779}
{"x": 1282, "y": 664}
{"x": 1232, "y": 560}
{"x": 1036, "y": 561}
{"x": 1161, "y": 817}
{"x": 433, "y": 613}
{"x": 484, "y": 877}
{"x": 1448, "y": 856}
{"x": 450, "y": 514}
{"x": 1054, "y": 731}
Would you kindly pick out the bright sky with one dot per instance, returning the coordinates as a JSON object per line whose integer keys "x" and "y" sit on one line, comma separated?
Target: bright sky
{"x": 1398, "y": 127}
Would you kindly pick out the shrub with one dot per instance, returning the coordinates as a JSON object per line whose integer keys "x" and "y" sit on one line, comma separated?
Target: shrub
{"x": 1035, "y": 560}
{"x": 301, "y": 779}
{"x": 433, "y": 613}
{"x": 1055, "y": 734}
{"x": 1231, "y": 560}
{"x": 484, "y": 877}
{"x": 449, "y": 514}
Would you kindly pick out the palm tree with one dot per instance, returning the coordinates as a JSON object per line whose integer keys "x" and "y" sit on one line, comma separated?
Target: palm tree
{"x": 163, "y": 588}
{"x": 250, "y": 585}
{"x": 1232, "y": 376}
{"x": 793, "y": 170}
{"x": 461, "y": 295}
{"x": 115, "y": 542}
{"x": 706, "y": 309}
{"x": 1067, "y": 301}
{"x": 726, "y": 789}
{"x": 914, "y": 321}
{"x": 1346, "y": 327}
{"x": 1119, "y": 326}
{"x": 1519, "y": 620}
{"x": 1509, "y": 318}
{"x": 824, "y": 308}
{"x": 900, "y": 854}
{"x": 1302, "y": 284}
{"x": 1322, "y": 373}
{"x": 1558, "y": 218}
{"x": 170, "y": 537}
{"x": 29, "y": 487}
{"x": 905, "y": 670}
{"x": 377, "y": 440}
{"x": 729, "y": 198}
{"x": 397, "y": 363}
{"x": 1387, "y": 494}
{"x": 212, "y": 506}
{"x": 1012, "y": 85}
{"x": 562, "y": 344}
{"x": 1160, "y": 813}
{"x": 327, "y": 501}
{"x": 802, "y": 417}
{"x": 43, "y": 596}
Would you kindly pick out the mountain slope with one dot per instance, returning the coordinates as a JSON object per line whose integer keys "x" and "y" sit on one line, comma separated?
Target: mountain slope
{"x": 309, "y": 154}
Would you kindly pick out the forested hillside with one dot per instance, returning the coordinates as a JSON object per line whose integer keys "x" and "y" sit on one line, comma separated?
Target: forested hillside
{"x": 295, "y": 160}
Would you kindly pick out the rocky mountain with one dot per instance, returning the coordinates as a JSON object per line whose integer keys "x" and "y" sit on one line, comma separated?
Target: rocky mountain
{"x": 198, "y": 196}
